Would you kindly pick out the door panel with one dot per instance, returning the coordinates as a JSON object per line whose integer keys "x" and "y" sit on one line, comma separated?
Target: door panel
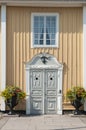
{"x": 36, "y": 92}
{"x": 51, "y": 105}
{"x": 51, "y": 91}
{"x": 51, "y": 79}
{"x": 43, "y": 91}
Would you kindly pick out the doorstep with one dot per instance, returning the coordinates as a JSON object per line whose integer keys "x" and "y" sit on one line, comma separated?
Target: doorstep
{"x": 81, "y": 115}
{"x": 7, "y": 115}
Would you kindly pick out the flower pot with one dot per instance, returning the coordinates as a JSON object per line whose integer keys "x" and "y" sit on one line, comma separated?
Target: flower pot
{"x": 12, "y": 95}
{"x": 11, "y": 103}
{"x": 77, "y": 103}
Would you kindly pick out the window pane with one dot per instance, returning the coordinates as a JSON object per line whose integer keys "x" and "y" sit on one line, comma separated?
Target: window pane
{"x": 41, "y": 36}
{"x": 36, "y": 21}
{"x": 36, "y": 18}
{"x": 47, "y": 42}
{"x": 53, "y": 21}
{"x": 41, "y": 42}
{"x": 36, "y": 36}
{"x": 53, "y": 30}
{"x": 41, "y": 30}
{"x": 47, "y": 36}
{"x": 52, "y": 36}
{"x": 47, "y": 30}
{"x": 35, "y": 42}
{"x": 36, "y": 30}
{"x": 50, "y": 30}
{"x": 52, "y": 42}
{"x": 41, "y": 22}
{"x": 41, "y": 25}
{"x": 48, "y": 22}
{"x": 36, "y": 24}
{"x": 41, "y": 18}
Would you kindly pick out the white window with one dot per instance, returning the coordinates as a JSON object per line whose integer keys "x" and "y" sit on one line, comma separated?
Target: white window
{"x": 44, "y": 29}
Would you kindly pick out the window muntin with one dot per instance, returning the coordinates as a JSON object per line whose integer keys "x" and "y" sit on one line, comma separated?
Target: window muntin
{"x": 38, "y": 28}
{"x": 50, "y": 30}
{"x": 44, "y": 30}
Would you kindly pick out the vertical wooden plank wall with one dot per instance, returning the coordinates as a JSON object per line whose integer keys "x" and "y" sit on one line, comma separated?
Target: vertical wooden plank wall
{"x": 0, "y": 48}
{"x": 0, "y": 52}
{"x": 19, "y": 48}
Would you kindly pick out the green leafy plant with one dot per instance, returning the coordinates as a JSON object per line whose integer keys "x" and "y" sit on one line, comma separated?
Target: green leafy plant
{"x": 76, "y": 92}
{"x": 11, "y": 91}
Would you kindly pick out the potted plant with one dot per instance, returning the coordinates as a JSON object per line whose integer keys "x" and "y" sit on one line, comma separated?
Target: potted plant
{"x": 76, "y": 95}
{"x": 12, "y": 96}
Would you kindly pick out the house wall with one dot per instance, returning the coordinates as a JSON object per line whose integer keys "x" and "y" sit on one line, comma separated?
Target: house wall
{"x": 19, "y": 48}
{"x": 0, "y": 48}
{"x": 0, "y": 51}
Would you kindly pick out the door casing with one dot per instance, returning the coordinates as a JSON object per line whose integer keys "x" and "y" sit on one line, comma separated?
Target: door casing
{"x": 37, "y": 64}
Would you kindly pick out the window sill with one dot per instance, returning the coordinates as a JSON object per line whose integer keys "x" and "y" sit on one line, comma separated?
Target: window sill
{"x": 50, "y": 46}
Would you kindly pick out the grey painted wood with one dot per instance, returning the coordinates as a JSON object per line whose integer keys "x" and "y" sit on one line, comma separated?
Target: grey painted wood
{"x": 43, "y": 85}
{"x": 36, "y": 92}
{"x": 50, "y": 91}
{"x": 43, "y": 91}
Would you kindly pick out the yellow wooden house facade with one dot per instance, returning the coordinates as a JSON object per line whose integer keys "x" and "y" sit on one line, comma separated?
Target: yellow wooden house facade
{"x": 16, "y": 48}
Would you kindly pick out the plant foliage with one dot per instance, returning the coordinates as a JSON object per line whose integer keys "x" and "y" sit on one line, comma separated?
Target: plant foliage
{"x": 11, "y": 91}
{"x": 76, "y": 92}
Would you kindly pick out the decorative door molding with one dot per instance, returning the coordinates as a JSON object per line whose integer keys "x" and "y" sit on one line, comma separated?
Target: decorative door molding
{"x": 43, "y": 91}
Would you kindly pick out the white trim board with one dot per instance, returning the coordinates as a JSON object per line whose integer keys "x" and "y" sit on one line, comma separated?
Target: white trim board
{"x": 84, "y": 47}
{"x": 3, "y": 52}
{"x": 84, "y": 50}
{"x": 43, "y": 3}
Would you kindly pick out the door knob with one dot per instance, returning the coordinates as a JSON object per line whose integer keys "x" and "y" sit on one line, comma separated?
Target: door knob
{"x": 60, "y": 91}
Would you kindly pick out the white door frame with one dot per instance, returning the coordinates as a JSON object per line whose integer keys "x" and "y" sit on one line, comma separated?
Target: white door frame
{"x": 34, "y": 64}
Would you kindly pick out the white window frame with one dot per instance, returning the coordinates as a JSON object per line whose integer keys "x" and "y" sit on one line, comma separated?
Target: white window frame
{"x": 57, "y": 30}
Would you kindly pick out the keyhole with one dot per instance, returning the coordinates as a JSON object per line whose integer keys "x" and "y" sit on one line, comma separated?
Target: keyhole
{"x": 51, "y": 78}
{"x": 36, "y": 78}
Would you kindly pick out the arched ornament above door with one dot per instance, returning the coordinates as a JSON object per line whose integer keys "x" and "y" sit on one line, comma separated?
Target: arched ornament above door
{"x": 44, "y": 60}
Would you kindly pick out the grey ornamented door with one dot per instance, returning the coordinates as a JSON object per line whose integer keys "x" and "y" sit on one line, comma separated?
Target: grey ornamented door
{"x": 50, "y": 88}
{"x": 36, "y": 102}
{"x": 43, "y": 91}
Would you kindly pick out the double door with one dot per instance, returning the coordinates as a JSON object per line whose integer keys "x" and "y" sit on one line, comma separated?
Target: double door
{"x": 43, "y": 91}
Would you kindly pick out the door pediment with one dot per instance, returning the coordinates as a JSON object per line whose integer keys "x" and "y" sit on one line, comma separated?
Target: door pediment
{"x": 44, "y": 60}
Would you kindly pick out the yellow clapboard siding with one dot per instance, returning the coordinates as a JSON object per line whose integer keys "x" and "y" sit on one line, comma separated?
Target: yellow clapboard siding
{"x": 0, "y": 49}
{"x": 19, "y": 48}
{"x": 74, "y": 50}
{"x": 69, "y": 53}
{"x": 65, "y": 51}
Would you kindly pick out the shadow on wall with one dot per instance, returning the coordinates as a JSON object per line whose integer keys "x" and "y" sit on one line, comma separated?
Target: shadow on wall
{"x": 21, "y": 106}
{"x": 65, "y": 66}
